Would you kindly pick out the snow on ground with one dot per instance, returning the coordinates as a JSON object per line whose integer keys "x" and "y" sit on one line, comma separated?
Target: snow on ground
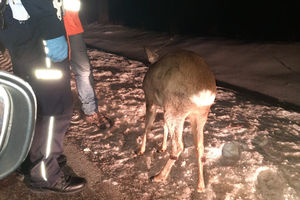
{"x": 263, "y": 138}
{"x": 266, "y": 137}
{"x": 270, "y": 68}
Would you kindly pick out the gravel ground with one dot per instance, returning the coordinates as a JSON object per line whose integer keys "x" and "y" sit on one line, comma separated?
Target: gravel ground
{"x": 259, "y": 141}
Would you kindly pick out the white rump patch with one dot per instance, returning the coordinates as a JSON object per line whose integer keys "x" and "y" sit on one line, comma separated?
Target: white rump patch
{"x": 203, "y": 98}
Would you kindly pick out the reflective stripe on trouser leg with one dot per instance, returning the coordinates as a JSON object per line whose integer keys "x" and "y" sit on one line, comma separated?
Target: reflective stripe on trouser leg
{"x": 48, "y": 147}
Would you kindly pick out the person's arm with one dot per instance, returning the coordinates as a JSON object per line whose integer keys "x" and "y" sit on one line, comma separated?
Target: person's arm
{"x": 43, "y": 10}
{"x": 50, "y": 26}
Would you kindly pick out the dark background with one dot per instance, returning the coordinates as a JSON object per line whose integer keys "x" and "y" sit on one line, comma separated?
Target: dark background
{"x": 264, "y": 20}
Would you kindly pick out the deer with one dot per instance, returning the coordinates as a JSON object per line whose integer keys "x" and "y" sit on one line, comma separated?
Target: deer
{"x": 183, "y": 85}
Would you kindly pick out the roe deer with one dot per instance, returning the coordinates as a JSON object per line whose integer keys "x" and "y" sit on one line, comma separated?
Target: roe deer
{"x": 184, "y": 86}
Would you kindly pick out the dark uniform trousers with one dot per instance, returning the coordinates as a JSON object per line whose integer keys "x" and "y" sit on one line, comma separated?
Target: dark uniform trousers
{"x": 54, "y": 98}
{"x": 54, "y": 101}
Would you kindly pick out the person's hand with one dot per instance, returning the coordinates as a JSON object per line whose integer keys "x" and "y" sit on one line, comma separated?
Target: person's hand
{"x": 57, "y": 49}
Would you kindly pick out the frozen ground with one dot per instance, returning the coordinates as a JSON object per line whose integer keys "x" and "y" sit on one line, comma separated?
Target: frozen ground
{"x": 267, "y": 139}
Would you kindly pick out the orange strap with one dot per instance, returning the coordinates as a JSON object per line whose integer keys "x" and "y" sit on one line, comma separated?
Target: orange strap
{"x": 69, "y": 45}
{"x": 72, "y": 23}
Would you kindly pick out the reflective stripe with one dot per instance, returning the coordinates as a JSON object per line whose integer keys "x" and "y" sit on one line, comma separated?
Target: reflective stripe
{"x": 43, "y": 171}
{"x": 48, "y": 74}
{"x": 50, "y": 135}
{"x": 46, "y": 50}
{"x": 48, "y": 147}
{"x": 48, "y": 62}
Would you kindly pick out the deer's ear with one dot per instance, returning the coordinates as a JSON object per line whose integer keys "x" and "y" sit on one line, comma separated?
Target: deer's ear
{"x": 152, "y": 56}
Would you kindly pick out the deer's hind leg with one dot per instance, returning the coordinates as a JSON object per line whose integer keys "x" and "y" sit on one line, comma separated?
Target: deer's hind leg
{"x": 198, "y": 121}
{"x": 150, "y": 117}
{"x": 165, "y": 139}
{"x": 175, "y": 127}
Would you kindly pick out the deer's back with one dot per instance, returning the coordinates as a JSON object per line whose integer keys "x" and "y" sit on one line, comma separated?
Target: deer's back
{"x": 179, "y": 76}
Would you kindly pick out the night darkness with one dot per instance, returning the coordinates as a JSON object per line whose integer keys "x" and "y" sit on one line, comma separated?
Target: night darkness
{"x": 275, "y": 20}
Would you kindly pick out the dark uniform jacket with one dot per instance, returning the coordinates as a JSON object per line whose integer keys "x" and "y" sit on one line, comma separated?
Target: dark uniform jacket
{"x": 24, "y": 40}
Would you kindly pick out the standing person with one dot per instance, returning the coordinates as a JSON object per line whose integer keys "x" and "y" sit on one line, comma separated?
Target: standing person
{"x": 80, "y": 65}
{"x": 30, "y": 27}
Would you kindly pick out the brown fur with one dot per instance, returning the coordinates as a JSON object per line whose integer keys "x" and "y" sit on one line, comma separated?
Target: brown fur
{"x": 184, "y": 86}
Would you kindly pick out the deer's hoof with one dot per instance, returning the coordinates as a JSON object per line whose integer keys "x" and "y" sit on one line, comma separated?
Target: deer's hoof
{"x": 139, "y": 153}
{"x": 152, "y": 178}
{"x": 156, "y": 179}
{"x": 161, "y": 150}
{"x": 173, "y": 157}
{"x": 200, "y": 188}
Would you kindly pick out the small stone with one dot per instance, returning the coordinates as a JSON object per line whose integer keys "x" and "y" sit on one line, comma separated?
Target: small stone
{"x": 260, "y": 141}
{"x": 231, "y": 150}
